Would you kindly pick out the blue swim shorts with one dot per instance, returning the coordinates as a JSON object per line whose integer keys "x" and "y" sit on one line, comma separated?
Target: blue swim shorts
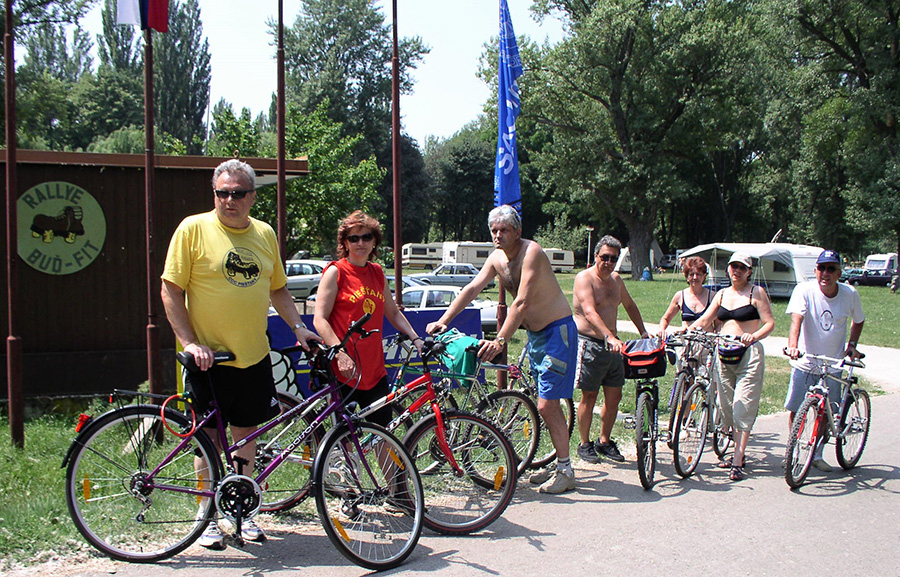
{"x": 553, "y": 352}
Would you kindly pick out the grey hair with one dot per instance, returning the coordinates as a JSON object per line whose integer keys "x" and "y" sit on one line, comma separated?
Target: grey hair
{"x": 608, "y": 240}
{"x": 505, "y": 214}
{"x": 235, "y": 167}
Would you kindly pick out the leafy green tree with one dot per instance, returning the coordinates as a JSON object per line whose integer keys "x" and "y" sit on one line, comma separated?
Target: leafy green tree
{"x": 119, "y": 46}
{"x": 182, "y": 75}
{"x": 335, "y": 186}
{"x": 461, "y": 169}
{"x": 623, "y": 97}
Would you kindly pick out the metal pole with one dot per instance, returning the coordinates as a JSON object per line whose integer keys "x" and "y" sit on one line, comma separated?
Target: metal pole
{"x": 154, "y": 362}
{"x": 13, "y": 340}
{"x": 281, "y": 168}
{"x": 590, "y": 229}
{"x": 395, "y": 140}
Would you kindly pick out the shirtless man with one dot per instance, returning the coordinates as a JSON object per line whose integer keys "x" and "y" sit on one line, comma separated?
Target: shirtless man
{"x": 539, "y": 307}
{"x": 596, "y": 297}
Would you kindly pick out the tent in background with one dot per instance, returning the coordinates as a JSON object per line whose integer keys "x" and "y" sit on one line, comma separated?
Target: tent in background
{"x": 777, "y": 266}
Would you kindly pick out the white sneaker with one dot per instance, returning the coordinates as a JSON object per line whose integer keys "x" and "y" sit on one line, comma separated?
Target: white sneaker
{"x": 250, "y": 531}
{"x": 560, "y": 482}
{"x": 212, "y": 538}
{"x": 543, "y": 475}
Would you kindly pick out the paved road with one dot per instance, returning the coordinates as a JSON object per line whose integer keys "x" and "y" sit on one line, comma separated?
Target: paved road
{"x": 706, "y": 525}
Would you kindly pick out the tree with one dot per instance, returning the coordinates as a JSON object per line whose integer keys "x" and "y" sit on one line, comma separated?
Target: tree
{"x": 336, "y": 185}
{"x": 182, "y": 75}
{"x": 119, "y": 47}
{"x": 618, "y": 96}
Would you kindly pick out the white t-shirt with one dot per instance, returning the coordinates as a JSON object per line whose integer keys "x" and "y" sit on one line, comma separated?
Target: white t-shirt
{"x": 824, "y": 325}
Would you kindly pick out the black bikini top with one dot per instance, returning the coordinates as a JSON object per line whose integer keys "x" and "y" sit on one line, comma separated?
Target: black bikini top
{"x": 740, "y": 314}
{"x": 688, "y": 315}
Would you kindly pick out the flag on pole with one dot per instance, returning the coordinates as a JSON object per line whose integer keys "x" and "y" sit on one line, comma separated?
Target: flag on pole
{"x": 506, "y": 171}
{"x": 146, "y": 13}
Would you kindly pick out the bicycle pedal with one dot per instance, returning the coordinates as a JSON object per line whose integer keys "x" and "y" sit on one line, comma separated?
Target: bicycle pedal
{"x": 665, "y": 437}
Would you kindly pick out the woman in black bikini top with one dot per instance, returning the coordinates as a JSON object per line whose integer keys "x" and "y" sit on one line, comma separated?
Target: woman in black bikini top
{"x": 741, "y": 371}
{"x": 690, "y": 299}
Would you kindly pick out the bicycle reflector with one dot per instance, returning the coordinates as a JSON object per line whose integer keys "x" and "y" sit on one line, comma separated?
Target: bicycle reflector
{"x": 83, "y": 420}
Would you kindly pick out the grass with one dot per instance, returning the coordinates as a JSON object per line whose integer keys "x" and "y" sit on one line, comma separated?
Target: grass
{"x": 35, "y": 524}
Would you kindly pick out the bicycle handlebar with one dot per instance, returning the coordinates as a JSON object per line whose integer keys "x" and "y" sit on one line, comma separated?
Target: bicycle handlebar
{"x": 844, "y": 362}
{"x": 188, "y": 361}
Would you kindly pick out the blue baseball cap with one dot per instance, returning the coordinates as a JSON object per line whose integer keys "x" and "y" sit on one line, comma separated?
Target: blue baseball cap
{"x": 829, "y": 256}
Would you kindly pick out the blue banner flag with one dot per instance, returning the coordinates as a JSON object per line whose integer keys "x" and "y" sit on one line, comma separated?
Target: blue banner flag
{"x": 506, "y": 172}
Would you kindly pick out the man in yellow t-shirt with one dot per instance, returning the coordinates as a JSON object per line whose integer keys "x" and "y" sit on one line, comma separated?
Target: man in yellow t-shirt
{"x": 222, "y": 270}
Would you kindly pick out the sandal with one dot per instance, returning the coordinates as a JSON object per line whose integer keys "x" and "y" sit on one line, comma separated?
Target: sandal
{"x": 737, "y": 474}
{"x": 729, "y": 463}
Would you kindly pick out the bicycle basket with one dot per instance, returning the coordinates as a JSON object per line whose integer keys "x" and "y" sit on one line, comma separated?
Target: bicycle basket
{"x": 455, "y": 357}
{"x": 644, "y": 358}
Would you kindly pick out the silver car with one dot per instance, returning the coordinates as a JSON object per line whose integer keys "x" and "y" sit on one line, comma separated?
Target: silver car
{"x": 456, "y": 274}
{"x": 436, "y": 297}
{"x": 303, "y": 277}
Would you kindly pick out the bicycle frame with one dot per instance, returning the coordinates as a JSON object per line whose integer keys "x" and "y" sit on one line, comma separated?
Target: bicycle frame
{"x": 825, "y": 414}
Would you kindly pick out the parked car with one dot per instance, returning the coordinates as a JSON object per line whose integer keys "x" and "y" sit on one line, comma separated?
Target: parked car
{"x": 667, "y": 261}
{"x": 450, "y": 274}
{"x": 848, "y": 272}
{"x": 303, "y": 277}
{"x": 435, "y": 297}
{"x": 871, "y": 278}
{"x": 408, "y": 281}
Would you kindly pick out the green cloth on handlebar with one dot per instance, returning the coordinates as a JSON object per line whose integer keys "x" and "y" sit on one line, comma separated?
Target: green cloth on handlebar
{"x": 455, "y": 357}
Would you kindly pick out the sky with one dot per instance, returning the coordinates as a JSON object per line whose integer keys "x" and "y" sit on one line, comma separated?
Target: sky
{"x": 447, "y": 93}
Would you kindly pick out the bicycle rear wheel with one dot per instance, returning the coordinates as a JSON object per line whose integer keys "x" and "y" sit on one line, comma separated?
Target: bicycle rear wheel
{"x": 722, "y": 437}
{"x": 458, "y": 502}
{"x": 289, "y": 484}
{"x": 683, "y": 381}
{"x": 644, "y": 439}
{"x": 689, "y": 436}
{"x": 114, "y": 502}
{"x": 371, "y": 505}
{"x": 854, "y": 427}
{"x": 516, "y": 415}
{"x": 802, "y": 443}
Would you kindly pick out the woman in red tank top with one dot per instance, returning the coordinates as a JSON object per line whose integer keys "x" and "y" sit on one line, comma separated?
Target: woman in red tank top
{"x": 350, "y": 287}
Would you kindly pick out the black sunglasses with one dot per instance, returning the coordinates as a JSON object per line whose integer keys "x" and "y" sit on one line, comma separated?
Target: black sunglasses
{"x": 829, "y": 267}
{"x": 608, "y": 257}
{"x": 235, "y": 194}
{"x": 355, "y": 238}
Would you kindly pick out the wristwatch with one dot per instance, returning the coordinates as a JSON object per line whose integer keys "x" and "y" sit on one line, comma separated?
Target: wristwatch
{"x": 299, "y": 325}
{"x": 501, "y": 341}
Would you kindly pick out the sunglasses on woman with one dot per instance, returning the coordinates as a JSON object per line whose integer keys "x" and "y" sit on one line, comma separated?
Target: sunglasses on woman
{"x": 355, "y": 238}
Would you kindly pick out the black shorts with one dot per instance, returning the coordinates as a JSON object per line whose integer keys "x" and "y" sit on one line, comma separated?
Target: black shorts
{"x": 245, "y": 397}
{"x": 363, "y": 399}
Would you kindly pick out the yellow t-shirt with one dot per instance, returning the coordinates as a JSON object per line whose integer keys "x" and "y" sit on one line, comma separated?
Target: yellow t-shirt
{"x": 227, "y": 275}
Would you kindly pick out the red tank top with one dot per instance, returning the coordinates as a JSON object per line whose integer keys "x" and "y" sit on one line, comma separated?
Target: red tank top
{"x": 360, "y": 291}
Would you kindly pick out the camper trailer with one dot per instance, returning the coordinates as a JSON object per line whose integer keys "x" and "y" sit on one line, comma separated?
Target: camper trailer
{"x": 882, "y": 262}
{"x": 560, "y": 259}
{"x": 471, "y": 252}
{"x": 777, "y": 266}
{"x": 427, "y": 256}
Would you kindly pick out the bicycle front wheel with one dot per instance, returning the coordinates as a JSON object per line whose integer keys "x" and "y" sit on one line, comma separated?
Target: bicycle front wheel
{"x": 801, "y": 443}
{"x": 473, "y": 494}
{"x": 722, "y": 437}
{"x": 116, "y": 504}
{"x": 689, "y": 436}
{"x": 683, "y": 381}
{"x": 854, "y": 427}
{"x": 516, "y": 415}
{"x": 644, "y": 439}
{"x": 289, "y": 484}
{"x": 370, "y": 503}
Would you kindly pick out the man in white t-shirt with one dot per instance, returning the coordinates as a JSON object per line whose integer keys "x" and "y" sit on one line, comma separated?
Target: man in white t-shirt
{"x": 819, "y": 313}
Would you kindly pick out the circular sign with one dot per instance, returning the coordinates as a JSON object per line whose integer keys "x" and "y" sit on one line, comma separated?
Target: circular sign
{"x": 61, "y": 228}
